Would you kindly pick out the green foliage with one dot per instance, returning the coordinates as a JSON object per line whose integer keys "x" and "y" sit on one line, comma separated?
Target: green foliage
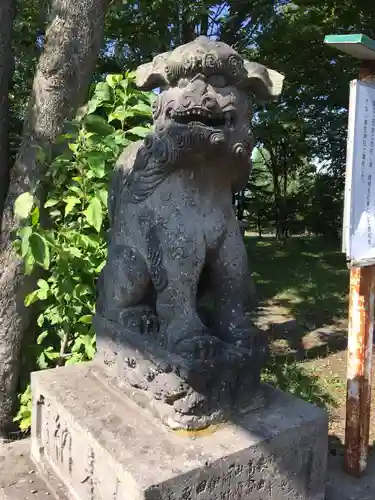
{"x": 24, "y": 414}
{"x": 290, "y": 376}
{"x": 69, "y": 251}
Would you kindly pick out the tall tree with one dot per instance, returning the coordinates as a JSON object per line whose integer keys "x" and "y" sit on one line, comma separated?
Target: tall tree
{"x": 139, "y": 29}
{"x": 6, "y": 70}
{"x": 71, "y": 44}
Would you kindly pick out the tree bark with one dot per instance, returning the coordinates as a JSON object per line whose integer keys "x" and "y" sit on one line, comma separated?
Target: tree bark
{"x": 72, "y": 42}
{"x": 6, "y": 71}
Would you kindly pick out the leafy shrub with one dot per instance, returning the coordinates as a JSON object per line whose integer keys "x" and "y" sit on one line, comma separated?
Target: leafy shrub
{"x": 69, "y": 251}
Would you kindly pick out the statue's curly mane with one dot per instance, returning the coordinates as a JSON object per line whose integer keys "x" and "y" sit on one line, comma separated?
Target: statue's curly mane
{"x": 145, "y": 164}
{"x": 139, "y": 170}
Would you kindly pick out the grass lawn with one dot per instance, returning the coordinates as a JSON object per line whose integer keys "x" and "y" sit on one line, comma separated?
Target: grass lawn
{"x": 307, "y": 279}
{"x": 306, "y": 275}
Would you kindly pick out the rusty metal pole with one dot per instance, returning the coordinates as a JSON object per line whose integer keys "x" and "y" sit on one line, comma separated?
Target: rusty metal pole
{"x": 360, "y": 341}
{"x": 360, "y": 337}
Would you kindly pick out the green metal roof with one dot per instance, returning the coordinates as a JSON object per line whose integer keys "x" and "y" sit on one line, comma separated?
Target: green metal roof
{"x": 359, "y": 46}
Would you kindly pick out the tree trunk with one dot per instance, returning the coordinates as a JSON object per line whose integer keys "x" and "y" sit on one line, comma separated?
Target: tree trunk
{"x": 6, "y": 71}
{"x": 73, "y": 40}
{"x": 277, "y": 201}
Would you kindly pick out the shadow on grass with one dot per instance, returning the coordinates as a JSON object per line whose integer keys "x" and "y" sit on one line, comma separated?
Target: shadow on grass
{"x": 306, "y": 275}
{"x": 326, "y": 341}
{"x": 289, "y": 376}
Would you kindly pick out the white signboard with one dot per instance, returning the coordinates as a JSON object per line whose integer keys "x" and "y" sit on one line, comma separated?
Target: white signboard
{"x": 359, "y": 207}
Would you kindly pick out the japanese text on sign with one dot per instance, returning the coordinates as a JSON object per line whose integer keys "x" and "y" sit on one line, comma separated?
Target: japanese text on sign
{"x": 359, "y": 210}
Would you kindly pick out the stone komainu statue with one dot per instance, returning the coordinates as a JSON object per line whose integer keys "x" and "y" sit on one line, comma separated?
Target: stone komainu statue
{"x": 171, "y": 322}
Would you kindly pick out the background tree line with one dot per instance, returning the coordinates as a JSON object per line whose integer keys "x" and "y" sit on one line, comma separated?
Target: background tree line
{"x": 55, "y": 55}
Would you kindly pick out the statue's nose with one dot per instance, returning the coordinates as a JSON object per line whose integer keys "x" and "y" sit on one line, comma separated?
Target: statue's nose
{"x": 209, "y": 101}
{"x": 199, "y": 85}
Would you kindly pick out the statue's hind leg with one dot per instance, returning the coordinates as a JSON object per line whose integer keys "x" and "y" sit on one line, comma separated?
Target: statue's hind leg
{"x": 230, "y": 286}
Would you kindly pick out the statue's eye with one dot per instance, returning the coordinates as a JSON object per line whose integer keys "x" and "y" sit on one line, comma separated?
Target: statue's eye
{"x": 217, "y": 81}
{"x": 183, "y": 82}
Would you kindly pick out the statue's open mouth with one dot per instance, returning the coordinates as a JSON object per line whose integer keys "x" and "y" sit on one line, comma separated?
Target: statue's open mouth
{"x": 203, "y": 116}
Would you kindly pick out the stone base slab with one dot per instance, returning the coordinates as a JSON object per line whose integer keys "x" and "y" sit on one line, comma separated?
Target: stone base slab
{"x": 104, "y": 447}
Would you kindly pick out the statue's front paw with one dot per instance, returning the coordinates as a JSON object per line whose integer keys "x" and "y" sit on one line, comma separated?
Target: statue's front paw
{"x": 182, "y": 331}
{"x": 199, "y": 348}
{"x": 139, "y": 319}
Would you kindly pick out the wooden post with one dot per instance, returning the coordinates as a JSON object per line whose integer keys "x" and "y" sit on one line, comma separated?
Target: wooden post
{"x": 360, "y": 335}
{"x": 360, "y": 341}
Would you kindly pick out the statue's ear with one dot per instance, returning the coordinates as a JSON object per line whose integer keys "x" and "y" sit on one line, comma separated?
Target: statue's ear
{"x": 266, "y": 84}
{"x": 152, "y": 75}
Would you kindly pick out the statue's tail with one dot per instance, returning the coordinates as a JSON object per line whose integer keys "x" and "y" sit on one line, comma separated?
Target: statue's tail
{"x": 123, "y": 168}
{"x": 114, "y": 193}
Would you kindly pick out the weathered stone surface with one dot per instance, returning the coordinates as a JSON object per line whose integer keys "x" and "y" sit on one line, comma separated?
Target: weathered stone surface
{"x": 20, "y": 479}
{"x": 182, "y": 393}
{"x": 103, "y": 446}
{"x": 177, "y": 276}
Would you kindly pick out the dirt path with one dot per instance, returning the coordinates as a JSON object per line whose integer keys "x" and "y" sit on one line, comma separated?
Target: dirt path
{"x": 321, "y": 352}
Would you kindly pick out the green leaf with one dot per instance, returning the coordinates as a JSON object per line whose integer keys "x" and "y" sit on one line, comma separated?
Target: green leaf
{"x": 29, "y": 263}
{"x": 87, "y": 319}
{"x": 103, "y": 195}
{"x": 142, "y": 109}
{"x": 103, "y": 91}
{"x": 41, "y": 361}
{"x": 76, "y": 189}
{"x": 24, "y": 413}
{"x": 113, "y": 80}
{"x": 25, "y": 233}
{"x": 43, "y": 284}
{"x": 100, "y": 266}
{"x": 70, "y": 201}
{"x": 35, "y": 216}
{"x": 89, "y": 348}
{"x": 88, "y": 241}
{"x": 50, "y": 354}
{"x": 31, "y": 298}
{"x": 77, "y": 344}
{"x": 40, "y": 320}
{"x": 120, "y": 113}
{"x": 139, "y": 131}
{"x": 50, "y": 203}
{"x": 74, "y": 359}
{"x": 42, "y": 336}
{"x": 81, "y": 291}
{"x": 73, "y": 147}
{"x": 74, "y": 252}
{"x": 25, "y": 423}
{"x": 125, "y": 83}
{"x": 40, "y": 250}
{"x": 92, "y": 106}
{"x": 98, "y": 125}
{"x": 23, "y": 205}
{"x": 56, "y": 214}
{"x": 26, "y": 396}
{"x": 96, "y": 160}
{"x": 94, "y": 214}
{"x": 43, "y": 294}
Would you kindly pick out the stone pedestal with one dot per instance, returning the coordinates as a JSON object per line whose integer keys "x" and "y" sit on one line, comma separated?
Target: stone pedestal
{"x": 102, "y": 446}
